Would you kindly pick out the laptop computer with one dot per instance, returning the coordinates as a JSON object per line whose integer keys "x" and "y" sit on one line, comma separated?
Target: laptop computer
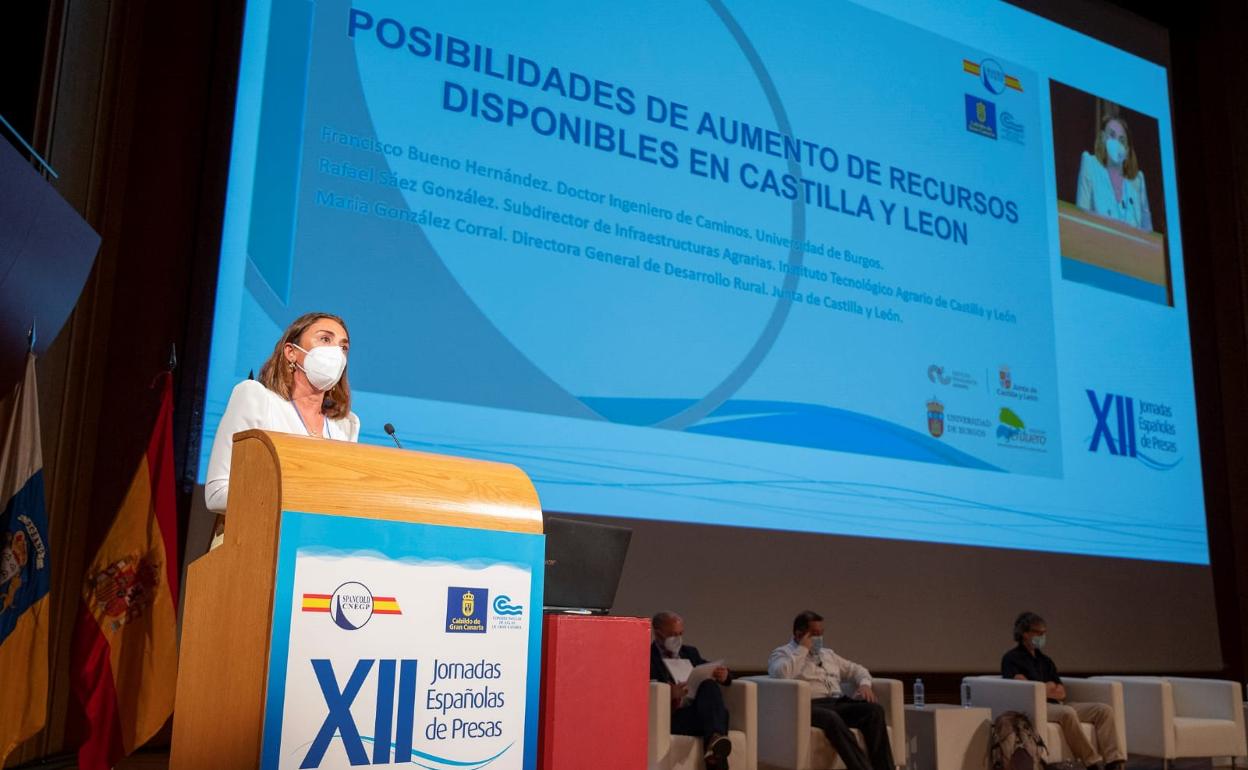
{"x": 583, "y": 565}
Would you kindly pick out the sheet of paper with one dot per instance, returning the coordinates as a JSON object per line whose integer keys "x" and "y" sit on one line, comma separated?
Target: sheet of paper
{"x": 679, "y": 668}
{"x": 699, "y": 675}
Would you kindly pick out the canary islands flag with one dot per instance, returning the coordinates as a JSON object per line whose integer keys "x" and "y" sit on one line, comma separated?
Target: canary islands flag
{"x": 24, "y": 568}
{"x": 125, "y": 656}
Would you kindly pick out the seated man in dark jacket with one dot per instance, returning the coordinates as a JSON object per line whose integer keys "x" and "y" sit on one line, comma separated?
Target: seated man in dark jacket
{"x": 701, "y": 713}
{"x": 1027, "y": 662}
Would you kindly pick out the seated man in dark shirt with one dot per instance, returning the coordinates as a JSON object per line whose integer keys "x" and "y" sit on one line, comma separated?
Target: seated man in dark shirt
{"x": 1027, "y": 662}
{"x": 703, "y": 713}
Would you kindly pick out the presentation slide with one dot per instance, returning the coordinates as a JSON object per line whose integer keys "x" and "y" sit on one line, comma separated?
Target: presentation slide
{"x": 866, "y": 269}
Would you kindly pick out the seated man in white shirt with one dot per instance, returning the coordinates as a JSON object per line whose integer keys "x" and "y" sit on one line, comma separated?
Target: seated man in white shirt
{"x": 834, "y": 708}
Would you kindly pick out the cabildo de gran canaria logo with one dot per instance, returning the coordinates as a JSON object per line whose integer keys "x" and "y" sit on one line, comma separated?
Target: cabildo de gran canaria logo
{"x": 1127, "y": 427}
{"x": 981, "y": 116}
{"x": 466, "y": 609}
{"x": 351, "y": 605}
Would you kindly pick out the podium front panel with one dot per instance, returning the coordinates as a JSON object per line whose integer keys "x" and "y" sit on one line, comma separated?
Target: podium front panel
{"x": 396, "y": 643}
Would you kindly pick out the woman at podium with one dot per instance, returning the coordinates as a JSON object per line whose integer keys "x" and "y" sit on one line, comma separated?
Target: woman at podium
{"x": 302, "y": 389}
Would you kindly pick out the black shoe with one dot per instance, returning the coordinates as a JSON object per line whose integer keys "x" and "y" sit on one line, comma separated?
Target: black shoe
{"x": 717, "y": 750}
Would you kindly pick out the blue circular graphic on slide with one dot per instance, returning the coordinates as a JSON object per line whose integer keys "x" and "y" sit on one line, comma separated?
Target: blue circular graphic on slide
{"x": 601, "y": 266}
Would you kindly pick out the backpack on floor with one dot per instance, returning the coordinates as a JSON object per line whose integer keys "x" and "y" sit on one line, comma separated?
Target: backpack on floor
{"x": 1015, "y": 744}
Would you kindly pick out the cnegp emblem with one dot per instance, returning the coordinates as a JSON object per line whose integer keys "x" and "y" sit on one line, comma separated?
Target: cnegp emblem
{"x": 351, "y": 605}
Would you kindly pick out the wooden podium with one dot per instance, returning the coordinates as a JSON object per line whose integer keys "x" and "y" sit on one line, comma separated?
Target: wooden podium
{"x": 232, "y": 594}
{"x": 1113, "y": 255}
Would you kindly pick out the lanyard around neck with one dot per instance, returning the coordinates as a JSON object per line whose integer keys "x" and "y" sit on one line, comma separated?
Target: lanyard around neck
{"x": 305, "y": 424}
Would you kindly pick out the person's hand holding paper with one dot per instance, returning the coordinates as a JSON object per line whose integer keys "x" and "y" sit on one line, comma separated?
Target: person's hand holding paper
{"x": 699, "y": 674}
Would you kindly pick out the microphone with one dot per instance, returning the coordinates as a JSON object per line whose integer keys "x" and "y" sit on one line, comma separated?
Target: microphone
{"x": 389, "y": 429}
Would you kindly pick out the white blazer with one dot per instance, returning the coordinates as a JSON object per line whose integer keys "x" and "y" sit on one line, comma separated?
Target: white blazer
{"x": 1095, "y": 193}
{"x": 252, "y": 405}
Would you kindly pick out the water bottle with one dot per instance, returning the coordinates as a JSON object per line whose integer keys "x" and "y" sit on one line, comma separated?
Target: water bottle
{"x": 918, "y": 693}
{"x": 966, "y": 694}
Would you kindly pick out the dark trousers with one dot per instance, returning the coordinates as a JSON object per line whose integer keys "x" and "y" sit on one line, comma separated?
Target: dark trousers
{"x": 836, "y": 716}
{"x": 706, "y": 716}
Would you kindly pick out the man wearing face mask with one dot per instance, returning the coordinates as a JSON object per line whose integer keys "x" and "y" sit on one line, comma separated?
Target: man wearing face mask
{"x": 841, "y": 695}
{"x": 302, "y": 389}
{"x": 1027, "y": 662}
{"x": 701, "y": 713}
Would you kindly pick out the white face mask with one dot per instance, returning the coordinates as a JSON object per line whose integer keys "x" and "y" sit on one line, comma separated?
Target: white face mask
{"x": 324, "y": 366}
{"x": 1116, "y": 150}
{"x": 673, "y": 643}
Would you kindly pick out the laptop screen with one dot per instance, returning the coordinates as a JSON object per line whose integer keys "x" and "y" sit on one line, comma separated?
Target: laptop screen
{"x": 583, "y": 565}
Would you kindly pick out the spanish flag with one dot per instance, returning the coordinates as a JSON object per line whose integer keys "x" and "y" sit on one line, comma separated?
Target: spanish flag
{"x": 125, "y": 654}
{"x": 24, "y": 568}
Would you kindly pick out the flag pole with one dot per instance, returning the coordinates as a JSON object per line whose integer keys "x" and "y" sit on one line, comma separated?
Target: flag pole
{"x": 172, "y": 364}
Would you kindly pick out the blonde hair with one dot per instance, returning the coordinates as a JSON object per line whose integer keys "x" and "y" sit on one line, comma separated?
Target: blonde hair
{"x": 278, "y": 376}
